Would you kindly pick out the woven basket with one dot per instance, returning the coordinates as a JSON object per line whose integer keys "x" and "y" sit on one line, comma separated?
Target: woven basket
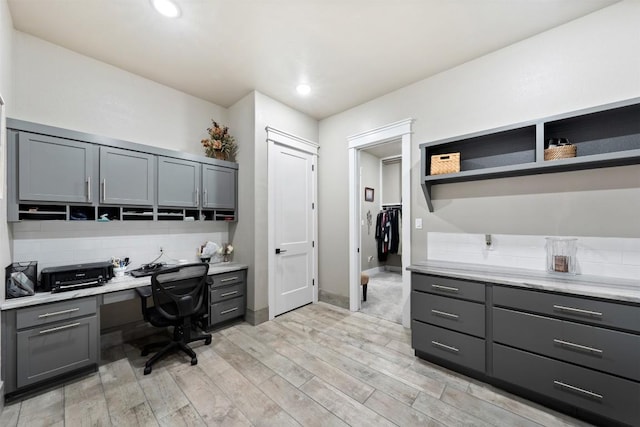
{"x": 560, "y": 152}
{"x": 445, "y": 163}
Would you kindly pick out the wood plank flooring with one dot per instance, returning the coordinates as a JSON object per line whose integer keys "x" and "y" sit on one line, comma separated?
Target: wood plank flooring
{"x": 316, "y": 366}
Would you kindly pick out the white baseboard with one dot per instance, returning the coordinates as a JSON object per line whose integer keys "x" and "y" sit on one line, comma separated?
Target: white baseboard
{"x": 393, "y": 268}
{"x": 374, "y": 270}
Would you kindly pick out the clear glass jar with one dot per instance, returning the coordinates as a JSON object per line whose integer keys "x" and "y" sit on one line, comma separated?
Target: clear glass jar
{"x": 561, "y": 255}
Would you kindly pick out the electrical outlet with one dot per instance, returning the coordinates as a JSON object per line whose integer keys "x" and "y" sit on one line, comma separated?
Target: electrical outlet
{"x": 161, "y": 250}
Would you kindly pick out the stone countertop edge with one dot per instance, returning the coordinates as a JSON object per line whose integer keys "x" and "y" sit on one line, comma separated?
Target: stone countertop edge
{"x": 621, "y": 290}
{"x": 114, "y": 285}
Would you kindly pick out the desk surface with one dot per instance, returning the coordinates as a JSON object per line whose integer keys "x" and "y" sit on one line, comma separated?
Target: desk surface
{"x": 114, "y": 285}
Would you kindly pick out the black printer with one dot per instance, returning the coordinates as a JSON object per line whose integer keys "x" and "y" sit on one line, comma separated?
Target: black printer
{"x": 77, "y": 276}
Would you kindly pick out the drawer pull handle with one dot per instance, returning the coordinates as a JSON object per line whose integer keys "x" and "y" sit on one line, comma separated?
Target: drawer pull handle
{"x": 228, "y": 311}
{"x": 446, "y": 347}
{"x": 57, "y": 313}
{"x": 577, "y": 310}
{"x": 445, "y": 314}
{"x": 445, "y": 288}
{"x": 226, "y": 294}
{"x": 59, "y": 328}
{"x": 578, "y": 346}
{"x": 579, "y": 390}
{"x": 228, "y": 279}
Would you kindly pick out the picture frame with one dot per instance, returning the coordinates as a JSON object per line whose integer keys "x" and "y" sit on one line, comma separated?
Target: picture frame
{"x": 368, "y": 194}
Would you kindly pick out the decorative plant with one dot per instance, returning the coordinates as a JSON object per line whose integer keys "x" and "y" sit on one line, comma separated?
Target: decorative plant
{"x": 226, "y": 250}
{"x": 220, "y": 144}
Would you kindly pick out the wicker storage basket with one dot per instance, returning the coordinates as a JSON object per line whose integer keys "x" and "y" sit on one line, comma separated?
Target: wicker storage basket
{"x": 560, "y": 152}
{"x": 445, "y": 163}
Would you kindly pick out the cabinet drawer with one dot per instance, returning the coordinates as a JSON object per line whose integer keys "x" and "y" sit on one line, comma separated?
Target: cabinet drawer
{"x": 602, "y": 349}
{"x": 55, "y": 312}
{"x": 50, "y": 350}
{"x": 606, "y": 395}
{"x": 459, "y": 315}
{"x": 226, "y": 292}
{"x": 227, "y": 278}
{"x": 458, "y": 288}
{"x": 597, "y": 312}
{"x": 226, "y": 310}
{"x": 452, "y": 346}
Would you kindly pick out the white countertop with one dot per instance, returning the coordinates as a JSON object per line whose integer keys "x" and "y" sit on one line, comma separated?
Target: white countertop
{"x": 623, "y": 290}
{"x": 114, "y": 285}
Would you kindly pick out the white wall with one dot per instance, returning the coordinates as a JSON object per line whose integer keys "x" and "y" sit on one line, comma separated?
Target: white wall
{"x": 587, "y": 62}
{"x": 241, "y": 121}
{"x": 58, "y": 87}
{"x": 6, "y": 90}
{"x": 369, "y": 177}
{"x": 251, "y": 115}
{"x": 270, "y": 112}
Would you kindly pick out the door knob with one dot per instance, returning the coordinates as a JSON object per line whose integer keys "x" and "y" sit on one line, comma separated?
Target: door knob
{"x": 280, "y": 251}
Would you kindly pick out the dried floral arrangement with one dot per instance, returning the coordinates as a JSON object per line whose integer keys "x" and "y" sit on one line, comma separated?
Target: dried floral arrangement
{"x": 220, "y": 144}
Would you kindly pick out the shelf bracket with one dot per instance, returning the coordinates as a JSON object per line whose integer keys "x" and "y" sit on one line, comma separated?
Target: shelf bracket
{"x": 426, "y": 189}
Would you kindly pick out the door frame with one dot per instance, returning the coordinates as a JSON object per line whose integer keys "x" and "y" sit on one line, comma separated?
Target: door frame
{"x": 279, "y": 137}
{"x": 393, "y": 131}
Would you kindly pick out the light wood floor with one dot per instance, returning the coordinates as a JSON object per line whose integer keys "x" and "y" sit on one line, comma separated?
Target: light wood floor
{"x": 317, "y": 366}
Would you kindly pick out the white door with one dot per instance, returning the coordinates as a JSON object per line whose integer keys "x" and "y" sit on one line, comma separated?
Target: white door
{"x": 293, "y": 215}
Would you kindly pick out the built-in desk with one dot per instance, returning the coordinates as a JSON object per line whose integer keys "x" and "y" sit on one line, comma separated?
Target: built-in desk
{"x": 50, "y": 336}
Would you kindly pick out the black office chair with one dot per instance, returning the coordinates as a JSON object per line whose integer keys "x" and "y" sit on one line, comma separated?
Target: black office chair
{"x": 179, "y": 301}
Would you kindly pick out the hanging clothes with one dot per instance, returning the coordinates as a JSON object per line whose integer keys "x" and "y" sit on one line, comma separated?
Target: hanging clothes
{"x": 388, "y": 232}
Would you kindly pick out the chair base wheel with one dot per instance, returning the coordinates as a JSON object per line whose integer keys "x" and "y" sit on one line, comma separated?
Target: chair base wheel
{"x": 194, "y": 361}
{"x": 147, "y": 370}
{"x": 207, "y": 341}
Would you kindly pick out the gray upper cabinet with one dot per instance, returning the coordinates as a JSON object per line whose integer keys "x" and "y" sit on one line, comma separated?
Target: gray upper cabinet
{"x": 178, "y": 182}
{"x": 218, "y": 187}
{"x": 61, "y": 174}
{"x": 54, "y": 169}
{"x": 126, "y": 177}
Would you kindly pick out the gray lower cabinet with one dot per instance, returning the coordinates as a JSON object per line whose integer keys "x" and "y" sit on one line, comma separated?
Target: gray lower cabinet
{"x": 178, "y": 182}
{"x": 583, "y": 352}
{"x": 126, "y": 177}
{"x": 461, "y": 349}
{"x": 54, "y": 169}
{"x": 579, "y": 354}
{"x": 227, "y": 297}
{"x": 607, "y": 395}
{"x": 219, "y": 187}
{"x": 448, "y": 320}
{"x": 43, "y": 342}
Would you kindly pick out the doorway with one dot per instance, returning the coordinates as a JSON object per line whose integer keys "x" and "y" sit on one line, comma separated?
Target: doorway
{"x": 398, "y": 133}
{"x": 380, "y": 243}
{"x": 292, "y": 222}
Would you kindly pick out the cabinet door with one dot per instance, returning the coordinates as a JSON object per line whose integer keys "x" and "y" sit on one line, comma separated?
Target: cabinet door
{"x": 54, "y": 169}
{"x": 126, "y": 177}
{"x": 219, "y": 187}
{"x": 178, "y": 182}
{"x": 51, "y": 350}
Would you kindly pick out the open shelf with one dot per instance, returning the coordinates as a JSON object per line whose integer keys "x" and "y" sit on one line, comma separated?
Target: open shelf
{"x": 604, "y": 137}
{"x": 42, "y": 212}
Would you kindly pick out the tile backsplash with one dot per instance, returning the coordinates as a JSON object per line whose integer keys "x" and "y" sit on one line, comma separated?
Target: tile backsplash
{"x": 54, "y": 243}
{"x": 598, "y": 256}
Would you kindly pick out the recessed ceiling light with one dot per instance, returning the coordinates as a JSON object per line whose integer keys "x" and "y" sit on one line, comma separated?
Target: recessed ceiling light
{"x": 303, "y": 89}
{"x": 166, "y": 7}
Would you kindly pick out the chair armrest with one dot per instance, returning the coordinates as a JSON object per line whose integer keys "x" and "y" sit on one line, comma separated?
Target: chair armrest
{"x": 144, "y": 291}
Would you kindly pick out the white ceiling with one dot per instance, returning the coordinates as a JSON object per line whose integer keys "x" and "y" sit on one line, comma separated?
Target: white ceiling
{"x": 349, "y": 51}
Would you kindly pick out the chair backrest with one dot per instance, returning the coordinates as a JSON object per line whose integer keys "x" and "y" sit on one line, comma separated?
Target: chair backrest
{"x": 179, "y": 292}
